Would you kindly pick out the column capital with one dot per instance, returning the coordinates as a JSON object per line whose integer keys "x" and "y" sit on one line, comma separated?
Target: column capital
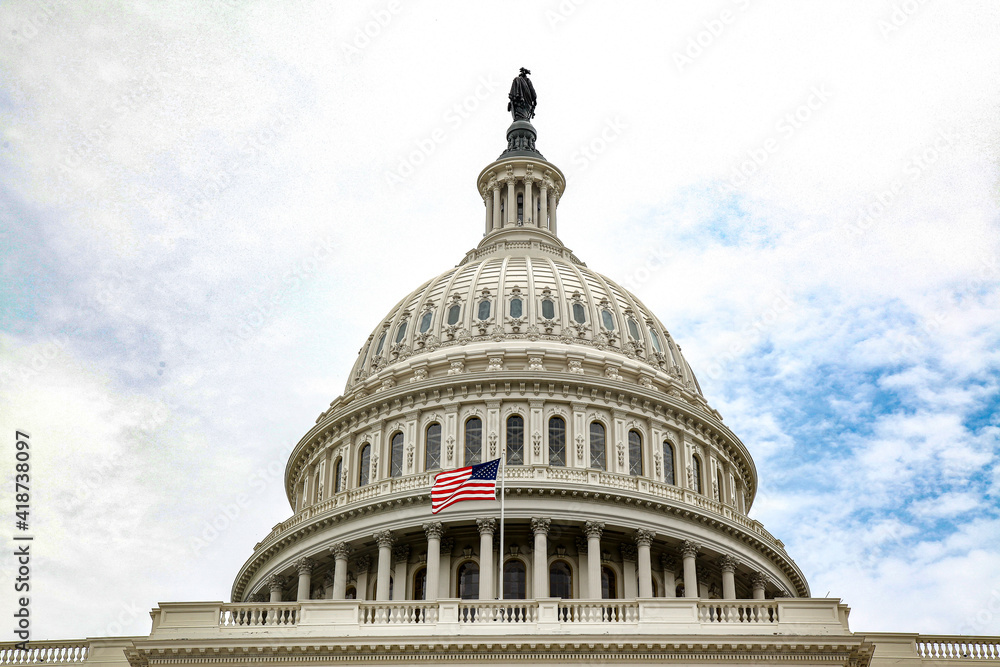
{"x": 486, "y": 526}
{"x": 593, "y": 529}
{"x": 304, "y": 565}
{"x": 758, "y": 580}
{"x": 259, "y": 596}
{"x": 275, "y": 581}
{"x": 643, "y": 537}
{"x": 447, "y": 544}
{"x": 383, "y": 538}
{"x": 401, "y": 553}
{"x": 433, "y": 529}
{"x": 541, "y": 525}
{"x": 690, "y": 549}
{"x": 629, "y": 552}
{"x": 328, "y": 578}
{"x": 728, "y": 564}
{"x": 581, "y": 545}
{"x": 341, "y": 550}
{"x": 668, "y": 562}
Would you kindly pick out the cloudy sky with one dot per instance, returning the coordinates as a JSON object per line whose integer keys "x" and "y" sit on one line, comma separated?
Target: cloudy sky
{"x": 805, "y": 193}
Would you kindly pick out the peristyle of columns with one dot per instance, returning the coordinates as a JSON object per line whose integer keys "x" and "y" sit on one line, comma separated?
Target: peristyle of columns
{"x": 728, "y": 566}
{"x": 759, "y": 583}
{"x": 340, "y": 553}
{"x": 593, "y": 531}
{"x": 305, "y": 568}
{"x": 434, "y": 530}
{"x": 689, "y": 550}
{"x": 275, "y": 583}
{"x": 643, "y": 541}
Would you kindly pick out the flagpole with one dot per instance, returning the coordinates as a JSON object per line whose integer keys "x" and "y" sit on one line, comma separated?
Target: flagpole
{"x": 503, "y": 487}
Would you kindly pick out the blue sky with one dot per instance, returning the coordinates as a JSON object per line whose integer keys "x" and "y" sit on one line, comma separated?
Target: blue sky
{"x": 199, "y": 228}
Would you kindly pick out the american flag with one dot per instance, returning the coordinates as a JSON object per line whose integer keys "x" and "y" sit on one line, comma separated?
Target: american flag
{"x": 478, "y": 482}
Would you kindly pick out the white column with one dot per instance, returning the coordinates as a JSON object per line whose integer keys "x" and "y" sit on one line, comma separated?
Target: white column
{"x": 543, "y": 215}
{"x": 384, "y": 540}
{"x": 529, "y": 205}
{"x": 728, "y": 566}
{"x": 552, "y": 209}
{"x": 669, "y": 566}
{"x": 275, "y": 584}
{"x": 497, "y": 222}
{"x": 759, "y": 583}
{"x": 540, "y": 527}
{"x": 433, "y": 530}
{"x": 488, "y": 199}
{"x": 593, "y": 531}
{"x": 583, "y": 569}
{"x": 340, "y": 552}
{"x": 511, "y": 215}
{"x": 689, "y": 550}
{"x": 401, "y": 557}
{"x": 486, "y": 573}
{"x": 305, "y": 568}
{"x": 445, "y": 585}
{"x": 643, "y": 541}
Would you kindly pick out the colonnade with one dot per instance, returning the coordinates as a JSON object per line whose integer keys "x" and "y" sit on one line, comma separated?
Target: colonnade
{"x": 548, "y": 199}
{"x": 391, "y": 563}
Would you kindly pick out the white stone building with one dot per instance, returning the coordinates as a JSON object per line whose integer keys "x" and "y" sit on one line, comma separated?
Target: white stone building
{"x": 626, "y": 535}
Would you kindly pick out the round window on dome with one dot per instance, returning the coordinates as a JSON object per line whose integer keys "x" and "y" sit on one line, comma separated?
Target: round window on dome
{"x": 548, "y": 309}
{"x": 453, "y": 314}
{"x": 516, "y": 308}
{"x": 656, "y": 340}
{"x": 633, "y": 329}
{"x": 484, "y": 309}
{"x": 425, "y": 321}
{"x": 401, "y": 331}
{"x": 579, "y": 314}
{"x": 607, "y": 320}
{"x": 381, "y": 343}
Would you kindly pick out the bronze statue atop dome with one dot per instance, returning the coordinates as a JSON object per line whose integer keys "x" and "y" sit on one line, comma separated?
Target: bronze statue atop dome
{"x": 522, "y": 97}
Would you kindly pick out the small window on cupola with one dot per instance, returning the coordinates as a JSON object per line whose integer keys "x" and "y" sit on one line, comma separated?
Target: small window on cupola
{"x": 656, "y": 341}
{"x": 453, "y": 314}
{"x": 400, "y": 331}
{"x": 548, "y": 309}
{"x": 381, "y": 343}
{"x": 516, "y": 308}
{"x": 484, "y": 309}
{"x": 425, "y": 321}
{"x": 633, "y": 329}
{"x": 607, "y": 319}
{"x": 579, "y": 314}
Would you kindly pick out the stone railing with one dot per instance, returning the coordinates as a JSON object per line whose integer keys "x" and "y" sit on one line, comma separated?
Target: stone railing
{"x": 544, "y": 475}
{"x": 958, "y": 648}
{"x": 451, "y": 617}
{"x": 50, "y": 653}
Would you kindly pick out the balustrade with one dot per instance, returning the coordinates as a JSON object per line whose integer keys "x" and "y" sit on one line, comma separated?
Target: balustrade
{"x": 737, "y": 612}
{"x": 251, "y": 615}
{"x": 45, "y": 652}
{"x": 959, "y": 648}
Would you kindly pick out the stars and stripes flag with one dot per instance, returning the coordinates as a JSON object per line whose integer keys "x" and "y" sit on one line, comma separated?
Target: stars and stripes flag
{"x": 476, "y": 482}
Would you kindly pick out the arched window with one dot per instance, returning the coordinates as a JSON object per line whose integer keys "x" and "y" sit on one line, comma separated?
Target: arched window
{"x": 579, "y": 314}
{"x": 432, "y": 461}
{"x": 607, "y": 319}
{"x": 473, "y": 441}
{"x": 598, "y": 455}
{"x": 400, "y": 332}
{"x": 453, "y": 313}
{"x": 484, "y": 309}
{"x": 515, "y": 580}
{"x": 634, "y": 453}
{"x": 420, "y": 584}
{"x": 560, "y": 580}
{"x": 609, "y": 583}
{"x": 468, "y": 581}
{"x": 318, "y": 483}
{"x": 338, "y": 472}
{"x": 396, "y": 456}
{"x": 718, "y": 484}
{"x": 557, "y": 441}
{"x": 656, "y": 340}
{"x": 668, "y": 463}
{"x": 696, "y": 472}
{"x": 633, "y": 329}
{"x": 425, "y": 321}
{"x": 381, "y": 343}
{"x": 520, "y": 208}
{"x": 351, "y": 593}
{"x": 364, "y": 463}
{"x": 515, "y": 440}
{"x": 548, "y": 309}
